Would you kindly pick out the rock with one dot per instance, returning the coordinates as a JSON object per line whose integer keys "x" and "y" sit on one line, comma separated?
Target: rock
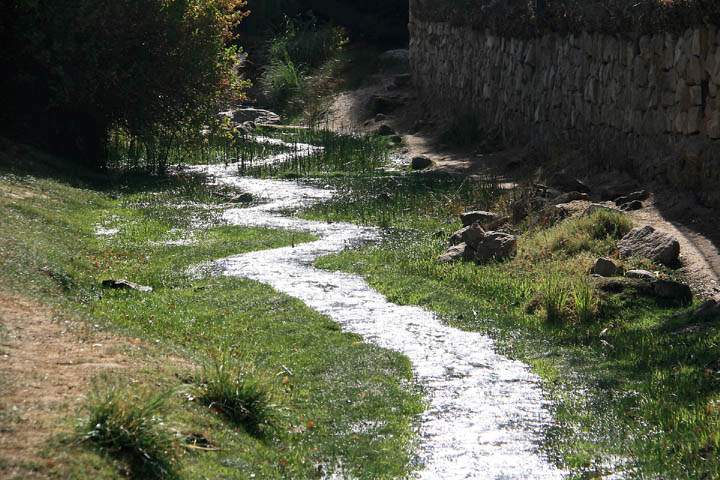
{"x": 385, "y": 130}
{"x": 471, "y": 235}
{"x": 605, "y": 268}
{"x": 244, "y": 115}
{"x": 552, "y": 214}
{"x": 421, "y": 163}
{"x": 570, "y": 197}
{"x": 566, "y": 183}
{"x": 496, "y": 246}
{"x": 125, "y": 285}
{"x": 621, "y": 284}
{"x": 651, "y": 244}
{"x": 611, "y": 192}
{"x": 457, "y": 253}
{"x": 380, "y": 117}
{"x": 671, "y": 290}
{"x": 632, "y": 206}
{"x": 242, "y": 198}
{"x": 632, "y": 197}
{"x": 641, "y": 274}
{"x": 396, "y": 139}
{"x": 597, "y": 207}
{"x": 478, "y": 216}
{"x": 709, "y": 310}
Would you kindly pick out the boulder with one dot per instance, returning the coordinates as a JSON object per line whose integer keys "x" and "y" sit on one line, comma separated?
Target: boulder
{"x": 605, "y": 268}
{"x": 420, "y": 163}
{"x": 567, "y": 183}
{"x": 478, "y": 216}
{"x": 649, "y": 243}
{"x": 471, "y": 235}
{"x": 126, "y": 285}
{"x": 495, "y": 246}
{"x": 632, "y": 197}
{"x": 632, "y": 206}
{"x": 457, "y": 253}
{"x": 641, "y": 274}
{"x": 244, "y": 115}
{"x": 671, "y": 290}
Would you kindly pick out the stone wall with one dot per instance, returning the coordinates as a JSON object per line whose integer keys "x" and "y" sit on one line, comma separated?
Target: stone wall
{"x": 650, "y": 104}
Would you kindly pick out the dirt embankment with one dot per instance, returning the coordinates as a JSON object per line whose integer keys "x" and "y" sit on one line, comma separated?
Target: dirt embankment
{"x": 48, "y": 362}
{"x": 389, "y": 102}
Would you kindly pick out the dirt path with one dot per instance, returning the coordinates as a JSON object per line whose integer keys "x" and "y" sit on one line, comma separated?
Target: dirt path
{"x": 676, "y": 213}
{"x": 47, "y": 364}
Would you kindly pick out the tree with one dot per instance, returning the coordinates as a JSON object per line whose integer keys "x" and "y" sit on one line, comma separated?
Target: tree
{"x": 82, "y": 68}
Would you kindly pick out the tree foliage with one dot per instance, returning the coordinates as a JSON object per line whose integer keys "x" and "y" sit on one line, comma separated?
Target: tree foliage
{"x": 78, "y": 69}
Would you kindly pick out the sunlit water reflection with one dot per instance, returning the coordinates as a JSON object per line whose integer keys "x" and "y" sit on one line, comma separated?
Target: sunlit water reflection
{"x": 486, "y": 413}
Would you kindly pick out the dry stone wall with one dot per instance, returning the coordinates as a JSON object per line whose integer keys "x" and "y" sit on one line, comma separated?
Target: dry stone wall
{"x": 650, "y": 103}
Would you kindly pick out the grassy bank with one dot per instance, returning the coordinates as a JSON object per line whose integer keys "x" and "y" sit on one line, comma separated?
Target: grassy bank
{"x": 635, "y": 379}
{"x": 301, "y": 398}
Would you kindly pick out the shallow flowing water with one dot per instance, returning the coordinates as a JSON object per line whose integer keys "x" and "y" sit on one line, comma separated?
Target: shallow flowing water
{"x": 486, "y": 413}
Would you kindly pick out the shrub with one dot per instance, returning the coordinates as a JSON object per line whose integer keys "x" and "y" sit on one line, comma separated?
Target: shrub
{"x": 235, "y": 391}
{"x": 126, "y": 425}
{"x": 81, "y": 68}
{"x": 302, "y": 49}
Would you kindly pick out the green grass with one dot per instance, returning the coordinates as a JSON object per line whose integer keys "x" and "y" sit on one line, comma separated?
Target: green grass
{"x": 127, "y": 426}
{"x": 235, "y": 391}
{"x": 634, "y": 388}
{"x": 339, "y": 402}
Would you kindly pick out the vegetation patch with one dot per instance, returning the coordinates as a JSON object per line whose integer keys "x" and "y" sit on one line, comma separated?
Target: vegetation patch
{"x": 633, "y": 378}
{"x": 323, "y": 382}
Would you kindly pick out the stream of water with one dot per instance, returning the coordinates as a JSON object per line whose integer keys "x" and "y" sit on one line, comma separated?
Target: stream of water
{"x": 486, "y": 413}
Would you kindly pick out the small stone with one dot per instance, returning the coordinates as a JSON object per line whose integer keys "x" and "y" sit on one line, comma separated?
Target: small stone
{"x": 671, "y": 290}
{"x": 648, "y": 243}
{"x": 566, "y": 183}
{"x": 639, "y": 195}
{"x": 570, "y": 197}
{"x": 457, "y": 253}
{"x": 126, "y": 285}
{"x": 597, "y": 207}
{"x": 640, "y": 274}
{"x": 420, "y": 163}
{"x": 605, "y": 268}
{"x": 478, "y": 216}
{"x": 632, "y": 206}
{"x": 242, "y": 198}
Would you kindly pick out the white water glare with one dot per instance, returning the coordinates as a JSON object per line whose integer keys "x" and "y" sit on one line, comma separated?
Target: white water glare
{"x": 486, "y": 413}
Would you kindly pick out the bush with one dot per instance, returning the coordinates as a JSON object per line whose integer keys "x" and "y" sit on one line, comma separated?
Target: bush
{"x": 127, "y": 426}
{"x": 79, "y": 69}
{"x": 302, "y": 49}
{"x": 235, "y": 391}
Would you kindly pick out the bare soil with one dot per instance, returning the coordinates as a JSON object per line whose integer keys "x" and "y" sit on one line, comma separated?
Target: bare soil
{"x": 48, "y": 362}
{"x": 675, "y": 212}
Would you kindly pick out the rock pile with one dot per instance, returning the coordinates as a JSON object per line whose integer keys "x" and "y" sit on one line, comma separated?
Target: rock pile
{"x": 474, "y": 243}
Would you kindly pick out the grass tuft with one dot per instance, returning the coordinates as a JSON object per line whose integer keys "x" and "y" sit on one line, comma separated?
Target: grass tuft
{"x": 555, "y": 295}
{"x": 235, "y": 390}
{"x": 126, "y": 425}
